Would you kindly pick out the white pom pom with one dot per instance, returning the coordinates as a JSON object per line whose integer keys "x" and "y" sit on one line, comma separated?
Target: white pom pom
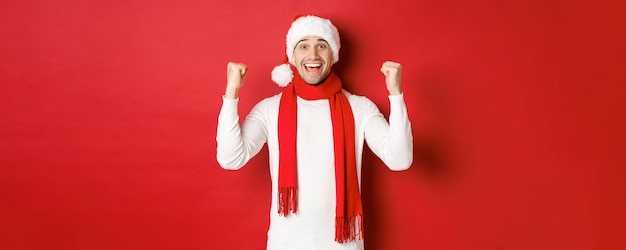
{"x": 282, "y": 75}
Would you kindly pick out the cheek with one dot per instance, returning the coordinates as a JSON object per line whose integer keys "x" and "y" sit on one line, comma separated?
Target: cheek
{"x": 328, "y": 57}
{"x": 297, "y": 56}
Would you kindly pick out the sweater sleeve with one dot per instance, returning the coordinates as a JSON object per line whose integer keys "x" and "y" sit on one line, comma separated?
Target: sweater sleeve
{"x": 236, "y": 144}
{"x": 391, "y": 141}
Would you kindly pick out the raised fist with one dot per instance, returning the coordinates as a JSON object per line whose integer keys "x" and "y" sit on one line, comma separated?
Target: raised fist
{"x": 235, "y": 74}
{"x": 393, "y": 77}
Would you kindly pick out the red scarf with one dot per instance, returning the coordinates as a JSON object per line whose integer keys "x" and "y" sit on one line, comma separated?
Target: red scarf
{"x": 349, "y": 212}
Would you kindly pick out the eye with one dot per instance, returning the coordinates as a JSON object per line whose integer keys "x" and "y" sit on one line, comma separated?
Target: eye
{"x": 321, "y": 46}
{"x": 304, "y": 46}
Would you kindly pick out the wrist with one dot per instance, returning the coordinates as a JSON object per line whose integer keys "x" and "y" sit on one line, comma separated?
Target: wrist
{"x": 231, "y": 93}
{"x": 395, "y": 92}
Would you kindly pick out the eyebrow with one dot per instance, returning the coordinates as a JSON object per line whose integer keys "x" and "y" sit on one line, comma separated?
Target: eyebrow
{"x": 319, "y": 40}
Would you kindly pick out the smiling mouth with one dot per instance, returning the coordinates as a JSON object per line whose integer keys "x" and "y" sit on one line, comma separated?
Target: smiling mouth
{"x": 312, "y": 67}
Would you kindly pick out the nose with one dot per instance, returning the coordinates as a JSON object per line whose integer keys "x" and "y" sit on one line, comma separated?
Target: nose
{"x": 313, "y": 53}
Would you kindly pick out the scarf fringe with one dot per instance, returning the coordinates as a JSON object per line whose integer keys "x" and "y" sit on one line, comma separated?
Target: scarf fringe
{"x": 348, "y": 229}
{"x": 287, "y": 201}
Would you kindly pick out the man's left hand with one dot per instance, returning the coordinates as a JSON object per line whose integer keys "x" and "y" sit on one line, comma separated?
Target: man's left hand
{"x": 393, "y": 77}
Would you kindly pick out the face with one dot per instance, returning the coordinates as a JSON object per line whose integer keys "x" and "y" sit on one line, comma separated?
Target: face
{"x": 313, "y": 58}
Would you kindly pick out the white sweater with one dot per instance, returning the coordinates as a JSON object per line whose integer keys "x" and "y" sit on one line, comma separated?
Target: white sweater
{"x": 313, "y": 226}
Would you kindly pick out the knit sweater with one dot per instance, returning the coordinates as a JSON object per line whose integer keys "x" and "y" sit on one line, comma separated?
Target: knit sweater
{"x": 313, "y": 226}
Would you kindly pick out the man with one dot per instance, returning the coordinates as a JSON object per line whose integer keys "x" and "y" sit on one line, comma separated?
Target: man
{"x": 315, "y": 131}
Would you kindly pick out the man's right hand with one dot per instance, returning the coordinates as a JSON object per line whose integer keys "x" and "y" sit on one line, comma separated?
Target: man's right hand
{"x": 235, "y": 74}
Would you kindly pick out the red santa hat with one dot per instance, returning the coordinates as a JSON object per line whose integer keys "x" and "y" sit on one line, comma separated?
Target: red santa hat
{"x": 305, "y": 26}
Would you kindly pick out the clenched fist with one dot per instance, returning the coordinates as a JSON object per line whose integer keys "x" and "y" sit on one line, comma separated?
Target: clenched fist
{"x": 393, "y": 77}
{"x": 235, "y": 74}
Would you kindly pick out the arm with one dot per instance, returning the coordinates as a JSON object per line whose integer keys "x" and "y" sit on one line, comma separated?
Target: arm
{"x": 392, "y": 142}
{"x": 237, "y": 144}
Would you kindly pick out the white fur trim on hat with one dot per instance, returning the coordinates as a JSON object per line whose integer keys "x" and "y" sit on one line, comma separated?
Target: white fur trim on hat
{"x": 282, "y": 74}
{"x": 312, "y": 26}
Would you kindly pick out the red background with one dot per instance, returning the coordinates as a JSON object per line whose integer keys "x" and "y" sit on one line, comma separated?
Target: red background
{"x": 109, "y": 110}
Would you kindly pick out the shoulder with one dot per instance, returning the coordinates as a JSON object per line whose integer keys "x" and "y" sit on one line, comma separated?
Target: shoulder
{"x": 358, "y": 101}
{"x": 270, "y": 101}
{"x": 362, "y": 107}
{"x": 267, "y": 107}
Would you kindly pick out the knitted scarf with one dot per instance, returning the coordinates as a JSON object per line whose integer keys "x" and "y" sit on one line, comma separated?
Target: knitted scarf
{"x": 349, "y": 212}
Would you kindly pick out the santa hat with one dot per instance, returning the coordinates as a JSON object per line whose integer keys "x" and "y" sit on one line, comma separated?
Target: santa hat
{"x": 301, "y": 27}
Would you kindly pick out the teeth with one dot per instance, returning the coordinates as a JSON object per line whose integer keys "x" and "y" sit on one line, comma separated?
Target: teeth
{"x": 313, "y": 65}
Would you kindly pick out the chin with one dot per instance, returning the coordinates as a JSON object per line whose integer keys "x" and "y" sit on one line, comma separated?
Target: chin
{"x": 315, "y": 82}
